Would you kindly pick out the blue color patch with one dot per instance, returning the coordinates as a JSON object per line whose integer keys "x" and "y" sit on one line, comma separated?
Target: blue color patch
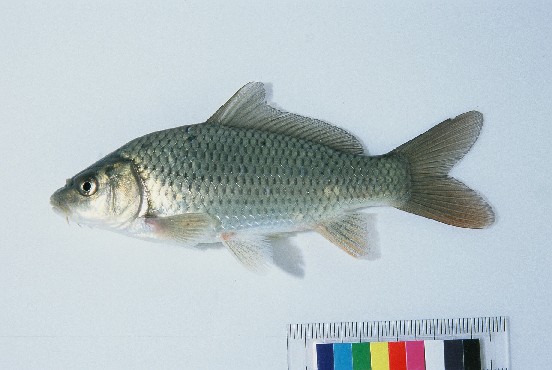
{"x": 324, "y": 356}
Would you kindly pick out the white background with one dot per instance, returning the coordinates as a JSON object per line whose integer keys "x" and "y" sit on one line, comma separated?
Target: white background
{"x": 79, "y": 79}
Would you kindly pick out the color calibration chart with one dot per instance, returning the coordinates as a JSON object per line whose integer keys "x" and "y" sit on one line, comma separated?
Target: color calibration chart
{"x": 437, "y": 344}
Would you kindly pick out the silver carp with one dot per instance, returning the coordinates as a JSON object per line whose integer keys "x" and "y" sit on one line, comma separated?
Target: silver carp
{"x": 252, "y": 171}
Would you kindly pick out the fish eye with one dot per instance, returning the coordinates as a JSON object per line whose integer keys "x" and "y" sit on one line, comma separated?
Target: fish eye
{"x": 88, "y": 187}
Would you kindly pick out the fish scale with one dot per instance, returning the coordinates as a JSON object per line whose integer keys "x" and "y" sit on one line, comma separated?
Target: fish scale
{"x": 231, "y": 175}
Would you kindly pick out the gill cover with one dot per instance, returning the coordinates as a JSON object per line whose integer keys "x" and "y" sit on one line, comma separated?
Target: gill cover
{"x": 115, "y": 202}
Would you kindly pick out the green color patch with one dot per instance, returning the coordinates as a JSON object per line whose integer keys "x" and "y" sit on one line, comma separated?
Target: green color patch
{"x": 361, "y": 356}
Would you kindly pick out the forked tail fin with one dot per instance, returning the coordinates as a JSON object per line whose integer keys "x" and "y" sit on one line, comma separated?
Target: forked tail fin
{"x": 434, "y": 194}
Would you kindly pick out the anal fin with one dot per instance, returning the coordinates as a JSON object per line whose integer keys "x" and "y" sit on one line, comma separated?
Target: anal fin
{"x": 355, "y": 233}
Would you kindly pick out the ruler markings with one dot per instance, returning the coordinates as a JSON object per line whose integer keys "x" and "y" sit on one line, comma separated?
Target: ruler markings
{"x": 490, "y": 332}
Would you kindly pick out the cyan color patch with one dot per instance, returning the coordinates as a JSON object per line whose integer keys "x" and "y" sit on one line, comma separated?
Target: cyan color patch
{"x": 343, "y": 356}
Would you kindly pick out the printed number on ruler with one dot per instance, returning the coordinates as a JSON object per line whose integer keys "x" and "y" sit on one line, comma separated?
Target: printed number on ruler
{"x": 440, "y": 344}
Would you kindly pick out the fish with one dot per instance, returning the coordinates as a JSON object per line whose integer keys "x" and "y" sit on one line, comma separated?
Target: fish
{"x": 252, "y": 172}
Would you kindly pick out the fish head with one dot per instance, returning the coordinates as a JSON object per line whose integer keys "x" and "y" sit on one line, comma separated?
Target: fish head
{"x": 107, "y": 194}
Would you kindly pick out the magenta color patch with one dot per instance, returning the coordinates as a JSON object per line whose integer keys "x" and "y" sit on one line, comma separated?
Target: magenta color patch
{"x": 415, "y": 356}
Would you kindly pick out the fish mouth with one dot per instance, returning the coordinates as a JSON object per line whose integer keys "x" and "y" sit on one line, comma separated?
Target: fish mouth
{"x": 59, "y": 207}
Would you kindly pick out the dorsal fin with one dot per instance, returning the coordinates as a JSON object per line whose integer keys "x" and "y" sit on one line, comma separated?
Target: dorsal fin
{"x": 248, "y": 108}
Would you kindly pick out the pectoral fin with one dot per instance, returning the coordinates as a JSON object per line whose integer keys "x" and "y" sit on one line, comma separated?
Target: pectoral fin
{"x": 187, "y": 228}
{"x": 253, "y": 251}
{"x": 355, "y": 233}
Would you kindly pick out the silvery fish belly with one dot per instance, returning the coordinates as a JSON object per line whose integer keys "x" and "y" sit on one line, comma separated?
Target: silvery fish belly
{"x": 252, "y": 171}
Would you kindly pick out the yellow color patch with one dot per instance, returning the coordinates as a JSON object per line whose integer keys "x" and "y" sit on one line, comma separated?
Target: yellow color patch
{"x": 379, "y": 354}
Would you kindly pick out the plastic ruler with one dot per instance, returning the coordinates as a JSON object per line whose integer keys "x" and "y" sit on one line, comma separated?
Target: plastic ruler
{"x": 492, "y": 334}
